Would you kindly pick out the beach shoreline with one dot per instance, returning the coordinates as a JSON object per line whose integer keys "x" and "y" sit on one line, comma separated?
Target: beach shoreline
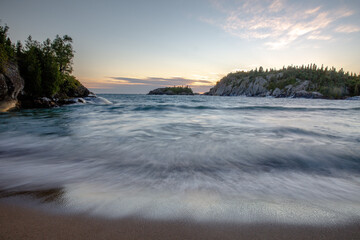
{"x": 22, "y": 222}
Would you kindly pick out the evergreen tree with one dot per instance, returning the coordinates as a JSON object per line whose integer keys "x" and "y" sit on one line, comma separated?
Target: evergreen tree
{"x": 64, "y": 53}
{"x": 30, "y": 69}
{"x": 7, "y": 50}
{"x": 50, "y": 70}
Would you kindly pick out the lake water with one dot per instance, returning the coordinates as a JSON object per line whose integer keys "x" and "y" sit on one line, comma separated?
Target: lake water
{"x": 199, "y": 157}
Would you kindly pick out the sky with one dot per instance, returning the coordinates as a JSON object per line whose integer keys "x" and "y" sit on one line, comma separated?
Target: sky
{"x": 134, "y": 46}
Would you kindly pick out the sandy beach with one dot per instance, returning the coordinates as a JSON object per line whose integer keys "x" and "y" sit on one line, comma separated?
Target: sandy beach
{"x": 18, "y": 222}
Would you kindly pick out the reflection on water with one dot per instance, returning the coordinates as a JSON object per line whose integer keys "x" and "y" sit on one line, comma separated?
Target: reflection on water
{"x": 208, "y": 158}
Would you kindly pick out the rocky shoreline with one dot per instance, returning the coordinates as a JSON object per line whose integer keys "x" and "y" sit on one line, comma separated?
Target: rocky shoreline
{"x": 291, "y": 82}
{"x": 12, "y": 94}
{"x": 259, "y": 87}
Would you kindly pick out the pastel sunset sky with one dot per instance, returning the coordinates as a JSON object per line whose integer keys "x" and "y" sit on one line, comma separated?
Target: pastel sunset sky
{"x": 133, "y": 46}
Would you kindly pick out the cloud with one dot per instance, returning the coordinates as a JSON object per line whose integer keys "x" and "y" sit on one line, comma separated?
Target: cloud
{"x": 278, "y": 22}
{"x": 276, "y": 6}
{"x": 347, "y": 29}
{"x": 144, "y": 85}
{"x": 161, "y": 82}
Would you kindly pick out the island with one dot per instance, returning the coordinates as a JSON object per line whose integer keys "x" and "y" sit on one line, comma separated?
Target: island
{"x": 303, "y": 81}
{"x": 37, "y": 75}
{"x": 176, "y": 90}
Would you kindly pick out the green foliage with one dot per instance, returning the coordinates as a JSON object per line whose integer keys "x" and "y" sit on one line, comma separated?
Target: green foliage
{"x": 3, "y": 59}
{"x": 179, "y": 89}
{"x": 46, "y": 66}
{"x": 68, "y": 85}
{"x": 281, "y": 83}
{"x": 353, "y": 85}
{"x": 51, "y": 77}
{"x": 332, "y": 92}
{"x": 30, "y": 69}
{"x": 7, "y": 49}
{"x": 64, "y": 52}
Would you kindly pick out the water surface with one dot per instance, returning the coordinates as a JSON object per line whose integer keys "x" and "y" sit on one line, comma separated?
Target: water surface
{"x": 199, "y": 157}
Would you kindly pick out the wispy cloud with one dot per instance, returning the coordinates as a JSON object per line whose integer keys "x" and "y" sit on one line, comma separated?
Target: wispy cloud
{"x": 347, "y": 29}
{"x": 278, "y": 22}
{"x": 161, "y": 82}
{"x": 144, "y": 85}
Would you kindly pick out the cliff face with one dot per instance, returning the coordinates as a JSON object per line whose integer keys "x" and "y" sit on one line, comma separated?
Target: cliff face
{"x": 263, "y": 86}
{"x": 11, "y": 84}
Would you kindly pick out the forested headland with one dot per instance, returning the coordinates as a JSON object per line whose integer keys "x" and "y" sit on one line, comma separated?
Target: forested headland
{"x": 45, "y": 68}
{"x": 309, "y": 81}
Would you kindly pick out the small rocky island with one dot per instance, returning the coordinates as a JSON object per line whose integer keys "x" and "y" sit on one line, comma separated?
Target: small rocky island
{"x": 176, "y": 90}
{"x": 37, "y": 75}
{"x": 308, "y": 81}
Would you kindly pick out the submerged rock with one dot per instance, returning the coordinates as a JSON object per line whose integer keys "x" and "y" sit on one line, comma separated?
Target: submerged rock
{"x": 306, "y": 94}
{"x": 353, "y": 98}
{"x": 81, "y": 100}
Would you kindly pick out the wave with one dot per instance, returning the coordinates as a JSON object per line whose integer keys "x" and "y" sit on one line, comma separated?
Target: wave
{"x": 166, "y": 107}
{"x": 278, "y": 108}
{"x": 98, "y": 100}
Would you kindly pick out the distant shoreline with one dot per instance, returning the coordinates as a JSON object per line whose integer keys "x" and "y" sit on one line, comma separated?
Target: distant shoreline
{"x": 356, "y": 98}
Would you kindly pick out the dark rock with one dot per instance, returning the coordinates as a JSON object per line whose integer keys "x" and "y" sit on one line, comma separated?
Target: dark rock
{"x": 80, "y": 91}
{"x": 259, "y": 87}
{"x": 306, "y": 94}
{"x": 81, "y": 100}
{"x": 44, "y": 102}
{"x": 276, "y": 92}
{"x": 11, "y": 84}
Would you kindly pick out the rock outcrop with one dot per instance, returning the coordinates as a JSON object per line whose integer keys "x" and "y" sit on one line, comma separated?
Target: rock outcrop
{"x": 71, "y": 96}
{"x": 11, "y": 84}
{"x": 172, "y": 91}
{"x": 262, "y": 87}
{"x": 78, "y": 91}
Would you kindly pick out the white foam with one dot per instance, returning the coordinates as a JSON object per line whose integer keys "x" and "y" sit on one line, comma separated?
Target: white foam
{"x": 98, "y": 100}
{"x": 204, "y": 205}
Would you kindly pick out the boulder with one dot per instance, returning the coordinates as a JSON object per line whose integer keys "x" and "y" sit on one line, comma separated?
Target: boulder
{"x": 11, "y": 84}
{"x": 306, "y": 94}
{"x": 353, "y": 98}
{"x": 276, "y": 92}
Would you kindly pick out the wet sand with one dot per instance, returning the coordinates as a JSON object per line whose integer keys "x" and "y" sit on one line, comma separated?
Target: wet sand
{"x": 18, "y": 222}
